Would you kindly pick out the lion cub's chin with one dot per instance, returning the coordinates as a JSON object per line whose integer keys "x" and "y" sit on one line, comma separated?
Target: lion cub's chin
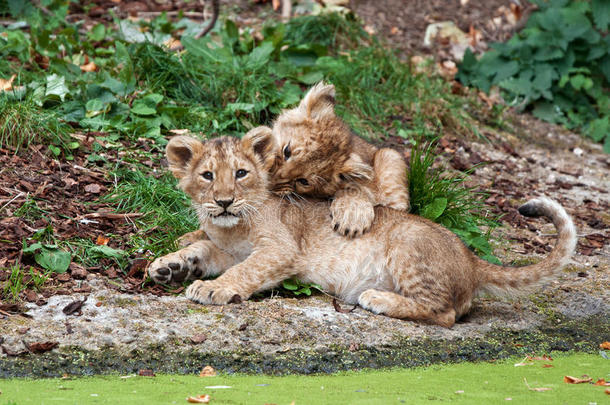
{"x": 225, "y": 221}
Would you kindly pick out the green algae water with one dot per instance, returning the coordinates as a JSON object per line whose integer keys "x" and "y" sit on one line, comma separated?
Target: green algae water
{"x": 530, "y": 382}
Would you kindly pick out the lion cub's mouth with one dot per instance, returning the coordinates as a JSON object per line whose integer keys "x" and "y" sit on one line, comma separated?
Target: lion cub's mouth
{"x": 225, "y": 214}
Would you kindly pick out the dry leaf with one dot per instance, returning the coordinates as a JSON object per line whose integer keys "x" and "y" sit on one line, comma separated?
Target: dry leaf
{"x": 276, "y": 4}
{"x": 573, "y": 380}
{"x": 547, "y": 366}
{"x": 339, "y": 309}
{"x": 602, "y": 382}
{"x": 605, "y": 345}
{"x": 40, "y": 347}
{"x": 394, "y": 30}
{"x": 200, "y": 399}
{"x": 102, "y": 240}
{"x": 146, "y": 373}
{"x": 179, "y": 131}
{"x": 607, "y": 391}
{"x": 207, "y": 371}
{"x": 74, "y": 307}
{"x": 172, "y": 44}
{"x": 200, "y": 338}
{"x": 7, "y": 84}
{"x": 93, "y": 188}
{"x": 539, "y": 389}
{"x": 89, "y": 67}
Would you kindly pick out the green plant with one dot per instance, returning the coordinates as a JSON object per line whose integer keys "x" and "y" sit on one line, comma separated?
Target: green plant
{"x": 14, "y": 284}
{"x": 558, "y": 65}
{"x": 297, "y": 287}
{"x": 38, "y": 278}
{"x": 49, "y": 256}
{"x": 445, "y": 200}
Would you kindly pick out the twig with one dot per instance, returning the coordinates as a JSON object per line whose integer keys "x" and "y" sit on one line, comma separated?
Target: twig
{"x": 12, "y": 199}
{"x": 110, "y": 215}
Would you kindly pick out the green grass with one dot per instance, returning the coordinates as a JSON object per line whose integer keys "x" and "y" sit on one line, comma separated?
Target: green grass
{"x": 23, "y": 122}
{"x": 465, "y": 383}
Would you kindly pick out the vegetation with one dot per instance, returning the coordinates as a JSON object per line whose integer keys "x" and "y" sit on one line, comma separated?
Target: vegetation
{"x": 466, "y": 383}
{"x": 122, "y": 82}
{"x": 558, "y": 65}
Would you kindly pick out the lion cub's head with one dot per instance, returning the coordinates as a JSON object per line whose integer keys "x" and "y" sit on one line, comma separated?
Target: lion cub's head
{"x": 311, "y": 148}
{"x": 224, "y": 177}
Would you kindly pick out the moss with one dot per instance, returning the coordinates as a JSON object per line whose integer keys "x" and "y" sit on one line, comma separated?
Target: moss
{"x": 122, "y": 302}
{"x": 581, "y": 335}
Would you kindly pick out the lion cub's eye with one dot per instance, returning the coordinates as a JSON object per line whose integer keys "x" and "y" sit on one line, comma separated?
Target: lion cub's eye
{"x": 287, "y": 152}
{"x": 241, "y": 173}
{"x": 208, "y": 175}
{"x": 303, "y": 182}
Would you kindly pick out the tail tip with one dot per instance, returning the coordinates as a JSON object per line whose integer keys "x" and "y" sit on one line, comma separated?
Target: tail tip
{"x": 531, "y": 209}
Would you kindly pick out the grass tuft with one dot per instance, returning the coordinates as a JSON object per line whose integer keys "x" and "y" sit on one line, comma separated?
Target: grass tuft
{"x": 23, "y": 122}
{"x": 445, "y": 199}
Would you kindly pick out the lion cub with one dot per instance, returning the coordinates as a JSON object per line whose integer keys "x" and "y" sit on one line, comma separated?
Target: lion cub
{"x": 314, "y": 153}
{"x": 404, "y": 267}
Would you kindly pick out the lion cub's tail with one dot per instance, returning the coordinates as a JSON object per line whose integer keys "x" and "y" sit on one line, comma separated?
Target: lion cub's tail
{"x": 511, "y": 280}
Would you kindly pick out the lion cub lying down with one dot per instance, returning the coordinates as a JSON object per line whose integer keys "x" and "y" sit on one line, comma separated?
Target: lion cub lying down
{"x": 405, "y": 267}
{"x": 314, "y": 153}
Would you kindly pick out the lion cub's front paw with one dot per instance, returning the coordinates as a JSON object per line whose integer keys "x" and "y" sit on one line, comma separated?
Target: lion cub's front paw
{"x": 210, "y": 292}
{"x": 175, "y": 267}
{"x": 351, "y": 217}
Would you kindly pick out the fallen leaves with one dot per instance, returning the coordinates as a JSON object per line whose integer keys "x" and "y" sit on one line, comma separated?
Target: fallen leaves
{"x": 198, "y": 338}
{"x": 573, "y": 380}
{"x": 207, "y": 371}
{"x": 605, "y": 345}
{"x": 146, "y": 373}
{"x": 529, "y": 360}
{"x": 93, "y": 188}
{"x": 7, "y": 84}
{"x": 74, "y": 307}
{"x": 602, "y": 382}
{"x": 342, "y": 310}
{"x": 40, "y": 347}
{"x": 200, "y": 399}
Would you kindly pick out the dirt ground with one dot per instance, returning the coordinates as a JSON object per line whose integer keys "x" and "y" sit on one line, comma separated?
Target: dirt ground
{"x": 125, "y": 326}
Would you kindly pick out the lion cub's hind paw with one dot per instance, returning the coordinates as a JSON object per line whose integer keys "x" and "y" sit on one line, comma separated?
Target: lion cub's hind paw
{"x": 174, "y": 268}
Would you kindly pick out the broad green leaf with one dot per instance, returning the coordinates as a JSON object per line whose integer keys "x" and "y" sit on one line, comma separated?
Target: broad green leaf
{"x": 577, "y": 81}
{"x": 311, "y": 77}
{"x": 140, "y": 107}
{"x": 546, "y": 111}
{"x": 601, "y": 14}
{"x": 599, "y": 129}
{"x": 32, "y": 248}
{"x": 97, "y": 33}
{"x": 259, "y": 56}
{"x": 55, "y": 260}
{"x": 56, "y": 86}
{"x": 290, "y": 285}
{"x": 126, "y": 74}
{"x": 107, "y": 251}
{"x": 435, "y": 209}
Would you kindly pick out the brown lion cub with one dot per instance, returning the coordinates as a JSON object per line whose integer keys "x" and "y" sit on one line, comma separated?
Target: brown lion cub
{"x": 314, "y": 153}
{"x": 404, "y": 267}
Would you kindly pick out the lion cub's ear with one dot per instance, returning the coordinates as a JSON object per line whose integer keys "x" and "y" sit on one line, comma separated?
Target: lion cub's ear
{"x": 259, "y": 141}
{"x": 355, "y": 169}
{"x": 319, "y": 102}
{"x": 180, "y": 152}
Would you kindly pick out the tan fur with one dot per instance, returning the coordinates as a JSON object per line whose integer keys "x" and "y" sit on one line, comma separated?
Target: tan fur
{"x": 335, "y": 162}
{"x": 404, "y": 267}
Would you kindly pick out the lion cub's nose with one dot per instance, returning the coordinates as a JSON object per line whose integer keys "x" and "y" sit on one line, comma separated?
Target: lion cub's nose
{"x": 224, "y": 203}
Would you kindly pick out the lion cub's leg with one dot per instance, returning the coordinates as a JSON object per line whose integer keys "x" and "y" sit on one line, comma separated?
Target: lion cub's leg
{"x": 399, "y": 306}
{"x": 191, "y": 237}
{"x": 197, "y": 260}
{"x": 391, "y": 179}
{"x": 352, "y": 212}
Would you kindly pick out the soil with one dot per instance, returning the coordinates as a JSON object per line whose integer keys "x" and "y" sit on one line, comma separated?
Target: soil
{"x": 126, "y": 325}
